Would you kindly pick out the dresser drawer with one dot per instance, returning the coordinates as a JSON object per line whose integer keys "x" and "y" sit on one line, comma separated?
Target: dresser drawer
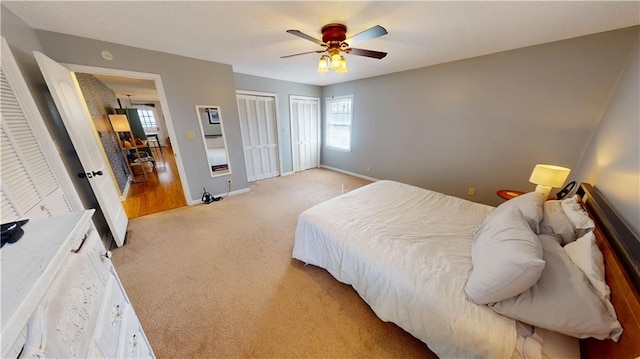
{"x": 71, "y": 306}
{"x": 94, "y": 249}
{"x": 14, "y": 350}
{"x": 134, "y": 342}
{"x": 111, "y": 319}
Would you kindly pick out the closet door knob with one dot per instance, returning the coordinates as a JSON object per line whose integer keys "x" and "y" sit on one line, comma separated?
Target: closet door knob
{"x": 97, "y": 173}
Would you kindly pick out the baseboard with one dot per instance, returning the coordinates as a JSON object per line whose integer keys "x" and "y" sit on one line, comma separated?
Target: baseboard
{"x": 127, "y": 187}
{"x": 232, "y": 193}
{"x": 350, "y": 173}
{"x": 287, "y": 174}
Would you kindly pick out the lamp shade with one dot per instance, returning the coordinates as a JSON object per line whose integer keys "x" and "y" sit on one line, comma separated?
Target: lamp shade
{"x": 336, "y": 59}
{"x": 549, "y": 175}
{"x": 343, "y": 65}
{"x": 120, "y": 123}
{"x": 322, "y": 65}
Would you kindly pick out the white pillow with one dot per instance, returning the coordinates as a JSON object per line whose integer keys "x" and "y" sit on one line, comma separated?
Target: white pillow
{"x": 586, "y": 254}
{"x": 577, "y": 215}
{"x": 555, "y": 221}
{"x": 529, "y": 204}
{"x": 506, "y": 257}
{"x": 562, "y": 300}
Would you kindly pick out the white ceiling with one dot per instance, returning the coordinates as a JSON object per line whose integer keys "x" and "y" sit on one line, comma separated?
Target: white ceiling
{"x": 251, "y": 35}
{"x": 136, "y": 90}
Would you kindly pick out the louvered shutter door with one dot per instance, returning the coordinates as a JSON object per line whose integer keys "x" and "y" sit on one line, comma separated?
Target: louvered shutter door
{"x": 29, "y": 187}
{"x": 259, "y": 136}
{"x": 9, "y": 213}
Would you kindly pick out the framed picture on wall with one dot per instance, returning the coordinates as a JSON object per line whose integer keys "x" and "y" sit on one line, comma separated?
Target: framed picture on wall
{"x": 214, "y": 117}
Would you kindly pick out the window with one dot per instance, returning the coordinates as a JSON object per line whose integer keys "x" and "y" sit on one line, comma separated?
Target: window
{"x": 338, "y": 123}
{"x": 148, "y": 121}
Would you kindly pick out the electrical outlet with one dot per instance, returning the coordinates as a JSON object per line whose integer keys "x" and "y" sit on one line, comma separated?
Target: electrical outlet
{"x": 368, "y": 168}
{"x": 191, "y": 135}
{"x": 471, "y": 191}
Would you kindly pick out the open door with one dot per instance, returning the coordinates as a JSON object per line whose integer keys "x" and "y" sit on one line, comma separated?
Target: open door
{"x": 77, "y": 120}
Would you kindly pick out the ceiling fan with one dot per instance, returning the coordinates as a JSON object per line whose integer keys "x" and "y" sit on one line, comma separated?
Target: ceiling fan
{"x": 334, "y": 41}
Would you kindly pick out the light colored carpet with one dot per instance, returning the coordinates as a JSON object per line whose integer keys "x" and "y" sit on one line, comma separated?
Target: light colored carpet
{"x": 218, "y": 281}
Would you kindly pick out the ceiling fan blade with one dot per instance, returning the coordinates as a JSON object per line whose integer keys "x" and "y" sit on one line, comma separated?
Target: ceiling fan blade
{"x": 367, "y": 53}
{"x": 303, "y": 53}
{"x": 368, "y": 34}
{"x": 305, "y": 36}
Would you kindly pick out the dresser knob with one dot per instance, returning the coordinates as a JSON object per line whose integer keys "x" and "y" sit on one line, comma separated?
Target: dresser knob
{"x": 107, "y": 254}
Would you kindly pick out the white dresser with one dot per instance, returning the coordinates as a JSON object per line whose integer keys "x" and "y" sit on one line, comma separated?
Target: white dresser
{"x": 62, "y": 298}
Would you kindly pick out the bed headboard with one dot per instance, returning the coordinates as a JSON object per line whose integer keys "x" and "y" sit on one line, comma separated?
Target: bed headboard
{"x": 620, "y": 247}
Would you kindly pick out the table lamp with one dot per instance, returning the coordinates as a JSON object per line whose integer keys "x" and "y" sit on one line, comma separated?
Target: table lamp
{"x": 547, "y": 177}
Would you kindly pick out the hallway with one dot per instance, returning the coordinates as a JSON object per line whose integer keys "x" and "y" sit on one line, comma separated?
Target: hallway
{"x": 162, "y": 191}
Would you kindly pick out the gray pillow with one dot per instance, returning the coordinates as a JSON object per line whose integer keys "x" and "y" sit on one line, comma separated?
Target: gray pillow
{"x": 506, "y": 257}
{"x": 530, "y": 204}
{"x": 562, "y": 300}
{"x": 578, "y": 216}
{"x": 555, "y": 221}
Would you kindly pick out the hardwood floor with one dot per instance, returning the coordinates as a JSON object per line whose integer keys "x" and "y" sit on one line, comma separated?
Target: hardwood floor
{"x": 162, "y": 191}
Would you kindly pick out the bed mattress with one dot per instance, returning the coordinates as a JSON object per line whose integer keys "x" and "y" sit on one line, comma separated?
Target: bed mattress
{"x": 407, "y": 252}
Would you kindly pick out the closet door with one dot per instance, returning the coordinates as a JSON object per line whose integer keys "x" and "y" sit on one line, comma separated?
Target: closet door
{"x": 305, "y": 132}
{"x": 259, "y": 136}
{"x": 30, "y": 187}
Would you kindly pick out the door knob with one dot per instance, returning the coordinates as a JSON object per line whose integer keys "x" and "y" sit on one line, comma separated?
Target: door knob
{"x": 89, "y": 174}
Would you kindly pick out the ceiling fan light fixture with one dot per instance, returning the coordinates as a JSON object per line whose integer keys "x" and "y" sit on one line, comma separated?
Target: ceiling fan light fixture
{"x": 336, "y": 60}
{"x": 334, "y": 41}
{"x": 343, "y": 66}
{"x": 323, "y": 66}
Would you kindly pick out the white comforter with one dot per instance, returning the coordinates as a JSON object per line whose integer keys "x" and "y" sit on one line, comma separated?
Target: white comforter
{"x": 407, "y": 252}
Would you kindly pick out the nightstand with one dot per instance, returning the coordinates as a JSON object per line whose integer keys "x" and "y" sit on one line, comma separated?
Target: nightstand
{"x": 509, "y": 193}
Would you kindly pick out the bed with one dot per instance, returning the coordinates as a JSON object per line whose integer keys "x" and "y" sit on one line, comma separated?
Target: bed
{"x": 407, "y": 252}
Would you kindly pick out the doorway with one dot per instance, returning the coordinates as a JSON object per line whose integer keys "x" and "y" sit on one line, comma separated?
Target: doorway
{"x": 137, "y": 96}
{"x": 305, "y": 132}
{"x": 260, "y": 135}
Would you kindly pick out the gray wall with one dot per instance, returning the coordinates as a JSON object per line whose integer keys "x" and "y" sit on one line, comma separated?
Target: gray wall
{"x": 612, "y": 161}
{"x": 283, "y": 89}
{"x": 23, "y": 41}
{"x": 483, "y": 122}
{"x": 187, "y": 82}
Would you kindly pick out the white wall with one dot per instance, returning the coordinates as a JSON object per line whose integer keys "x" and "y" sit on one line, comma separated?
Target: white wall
{"x": 612, "y": 161}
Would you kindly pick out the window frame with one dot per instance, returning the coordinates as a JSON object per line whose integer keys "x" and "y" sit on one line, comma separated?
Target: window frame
{"x": 327, "y": 124}
{"x": 144, "y": 118}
